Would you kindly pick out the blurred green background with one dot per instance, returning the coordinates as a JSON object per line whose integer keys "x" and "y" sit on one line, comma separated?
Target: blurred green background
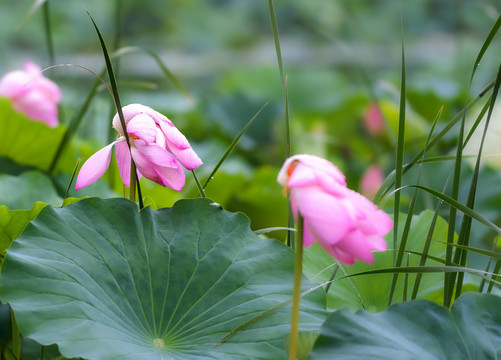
{"x": 339, "y": 57}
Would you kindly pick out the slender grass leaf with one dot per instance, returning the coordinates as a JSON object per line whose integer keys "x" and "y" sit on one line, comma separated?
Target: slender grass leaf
{"x": 488, "y": 40}
{"x": 118, "y": 105}
{"x": 161, "y": 64}
{"x": 464, "y": 234}
{"x": 232, "y": 146}
{"x": 399, "y": 156}
{"x": 461, "y": 207}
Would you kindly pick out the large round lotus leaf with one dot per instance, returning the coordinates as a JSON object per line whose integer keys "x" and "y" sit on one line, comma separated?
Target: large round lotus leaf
{"x": 104, "y": 281}
{"x": 415, "y": 330}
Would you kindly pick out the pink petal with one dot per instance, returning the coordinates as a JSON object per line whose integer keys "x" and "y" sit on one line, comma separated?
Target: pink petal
{"x": 129, "y": 112}
{"x": 143, "y": 127}
{"x": 36, "y": 107}
{"x": 158, "y": 165}
{"x": 327, "y": 217}
{"x": 308, "y": 237}
{"x": 94, "y": 167}
{"x": 123, "y": 161}
{"x": 50, "y": 89}
{"x": 371, "y": 220}
{"x": 358, "y": 245}
{"x": 14, "y": 84}
{"x": 301, "y": 176}
{"x": 174, "y": 137}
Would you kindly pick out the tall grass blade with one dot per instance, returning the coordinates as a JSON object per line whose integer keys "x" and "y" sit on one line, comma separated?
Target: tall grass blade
{"x": 33, "y": 9}
{"x": 492, "y": 33}
{"x": 489, "y": 263}
{"x": 459, "y": 206}
{"x": 165, "y": 70}
{"x": 232, "y": 146}
{"x": 75, "y": 169}
{"x": 449, "y": 278}
{"x": 48, "y": 33}
{"x": 389, "y": 182}
{"x": 495, "y": 271}
{"x": 116, "y": 99}
{"x": 464, "y": 233}
{"x": 399, "y": 161}
{"x": 424, "y": 255}
{"x": 75, "y": 123}
{"x": 283, "y": 79}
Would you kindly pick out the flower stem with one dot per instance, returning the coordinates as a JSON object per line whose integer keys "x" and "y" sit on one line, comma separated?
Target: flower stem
{"x": 296, "y": 294}
{"x": 132, "y": 189}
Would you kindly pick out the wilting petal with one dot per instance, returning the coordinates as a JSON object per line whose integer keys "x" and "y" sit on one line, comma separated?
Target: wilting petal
{"x": 357, "y": 245}
{"x": 327, "y": 217}
{"x": 301, "y": 176}
{"x": 187, "y": 157}
{"x": 94, "y": 167}
{"x": 143, "y": 127}
{"x": 123, "y": 161}
{"x": 370, "y": 219}
{"x": 158, "y": 165}
{"x": 179, "y": 146}
{"x": 174, "y": 136}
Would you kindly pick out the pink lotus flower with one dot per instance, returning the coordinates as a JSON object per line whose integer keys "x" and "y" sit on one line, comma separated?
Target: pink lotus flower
{"x": 32, "y": 94}
{"x": 373, "y": 120}
{"x": 345, "y": 224}
{"x": 371, "y": 181}
{"x": 157, "y": 146}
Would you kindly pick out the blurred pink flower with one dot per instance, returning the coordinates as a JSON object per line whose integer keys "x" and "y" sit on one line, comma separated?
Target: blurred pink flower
{"x": 344, "y": 223}
{"x": 157, "y": 148}
{"x": 373, "y": 120}
{"x": 371, "y": 181}
{"x": 32, "y": 94}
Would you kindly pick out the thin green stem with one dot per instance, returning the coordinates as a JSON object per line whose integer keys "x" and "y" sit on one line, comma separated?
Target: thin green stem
{"x": 132, "y": 189}
{"x": 296, "y": 294}
{"x": 199, "y": 187}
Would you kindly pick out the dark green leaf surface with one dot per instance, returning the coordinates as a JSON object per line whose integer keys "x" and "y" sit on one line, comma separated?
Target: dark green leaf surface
{"x": 415, "y": 330}
{"x": 104, "y": 281}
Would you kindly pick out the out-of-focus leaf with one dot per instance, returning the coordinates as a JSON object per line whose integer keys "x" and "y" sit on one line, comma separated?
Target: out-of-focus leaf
{"x": 22, "y": 191}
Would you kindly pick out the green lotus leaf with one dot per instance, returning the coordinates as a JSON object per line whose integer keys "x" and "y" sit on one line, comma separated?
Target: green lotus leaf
{"x": 104, "y": 281}
{"x": 417, "y": 329}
